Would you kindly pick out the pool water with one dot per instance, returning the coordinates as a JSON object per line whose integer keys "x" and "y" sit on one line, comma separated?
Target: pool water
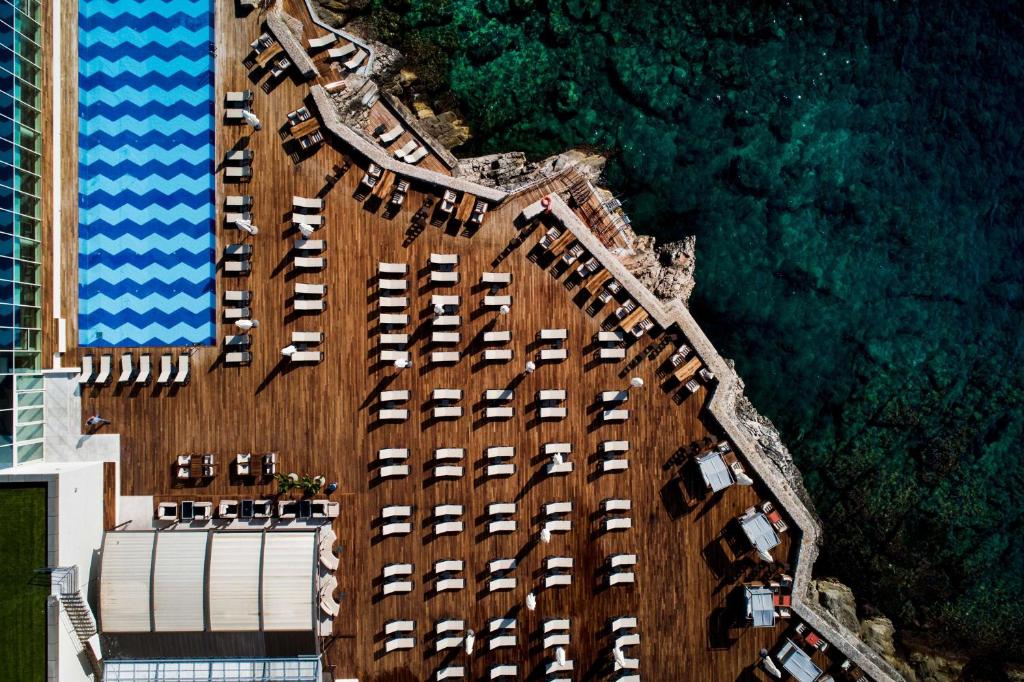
{"x": 146, "y": 186}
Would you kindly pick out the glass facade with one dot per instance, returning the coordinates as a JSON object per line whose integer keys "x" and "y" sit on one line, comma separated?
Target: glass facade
{"x": 21, "y": 172}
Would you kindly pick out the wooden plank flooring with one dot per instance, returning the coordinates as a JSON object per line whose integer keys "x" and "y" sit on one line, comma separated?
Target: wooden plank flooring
{"x": 321, "y": 420}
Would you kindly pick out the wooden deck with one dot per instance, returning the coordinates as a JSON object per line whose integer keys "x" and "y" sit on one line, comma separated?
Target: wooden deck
{"x": 321, "y": 419}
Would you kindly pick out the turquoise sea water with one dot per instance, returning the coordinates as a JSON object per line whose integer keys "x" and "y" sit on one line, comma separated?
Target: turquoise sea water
{"x": 854, "y": 175}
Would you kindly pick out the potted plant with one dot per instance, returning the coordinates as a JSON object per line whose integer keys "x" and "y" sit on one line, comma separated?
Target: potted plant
{"x": 286, "y": 482}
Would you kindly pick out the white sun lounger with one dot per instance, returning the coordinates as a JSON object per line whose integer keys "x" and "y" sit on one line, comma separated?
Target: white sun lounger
{"x": 615, "y": 446}
{"x": 451, "y": 672}
{"x": 502, "y": 412}
{"x": 445, "y": 357}
{"x": 238, "y": 171}
{"x": 498, "y": 354}
{"x": 393, "y": 511}
{"x": 392, "y": 284}
{"x": 559, "y": 448}
{"x": 612, "y": 353}
{"x": 501, "y": 470}
{"x": 501, "y": 670}
{"x": 166, "y": 369}
{"x": 392, "y": 268}
{"x": 392, "y": 570}
{"x": 614, "y": 415}
{"x": 311, "y": 245}
{"x": 558, "y": 526}
{"x": 399, "y": 644}
{"x": 497, "y": 337}
{"x": 557, "y": 508}
{"x": 417, "y": 155}
{"x": 389, "y": 355}
{"x": 557, "y": 639}
{"x": 341, "y": 52}
{"x": 449, "y": 584}
{"x": 307, "y": 304}
{"x": 557, "y": 625}
{"x": 395, "y": 528}
{"x": 553, "y": 334}
{"x": 398, "y": 587}
{"x": 307, "y": 263}
{"x": 303, "y": 202}
{"x": 322, "y": 41}
{"x": 447, "y": 412}
{"x": 501, "y": 641}
{"x": 447, "y": 527}
{"x": 394, "y": 627}
{"x": 393, "y": 414}
{"x": 397, "y": 302}
{"x": 442, "y": 277}
{"x": 238, "y": 358}
{"x": 394, "y": 340}
{"x": 184, "y": 374}
{"x": 306, "y": 356}
{"x": 238, "y": 201}
{"x": 497, "y": 301}
{"x": 614, "y": 465}
{"x": 397, "y": 319}
{"x": 87, "y": 374}
{"x": 310, "y": 289}
{"x": 449, "y": 453}
{"x": 394, "y": 396}
{"x": 104, "y": 374}
{"x": 394, "y": 471}
{"x": 445, "y": 337}
{"x": 614, "y": 396}
{"x": 553, "y": 413}
{"x": 447, "y": 321}
{"x": 405, "y": 149}
{"x": 551, "y": 394}
{"x": 626, "y": 578}
{"x": 498, "y": 584}
{"x": 613, "y": 505}
{"x": 620, "y": 560}
{"x": 618, "y": 523}
{"x": 145, "y": 362}
{"x": 448, "y": 643}
{"x": 553, "y": 354}
{"x": 555, "y": 563}
{"x": 496, "y": 278}
{"x": 313, "y": 220}
{"x": 392, "y": 135}
{"x": 126, "y": 368}
{"x": 353, "y": 63}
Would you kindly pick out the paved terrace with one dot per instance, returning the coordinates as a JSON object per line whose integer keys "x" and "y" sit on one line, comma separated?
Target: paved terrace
{"x": 324, "y": 419}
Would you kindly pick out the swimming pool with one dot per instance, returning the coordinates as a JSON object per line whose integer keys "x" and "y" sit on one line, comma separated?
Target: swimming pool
{"x": 146, "y": 259}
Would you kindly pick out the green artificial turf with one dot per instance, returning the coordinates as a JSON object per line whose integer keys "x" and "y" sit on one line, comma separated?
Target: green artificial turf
{"x": 23, "y": 600}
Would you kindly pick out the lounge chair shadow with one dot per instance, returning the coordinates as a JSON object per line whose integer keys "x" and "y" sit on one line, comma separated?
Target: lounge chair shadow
{"x": 280, "y": 368}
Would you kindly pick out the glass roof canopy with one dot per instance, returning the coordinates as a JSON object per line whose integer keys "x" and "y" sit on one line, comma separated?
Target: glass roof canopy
{"x": 301, "y": 669}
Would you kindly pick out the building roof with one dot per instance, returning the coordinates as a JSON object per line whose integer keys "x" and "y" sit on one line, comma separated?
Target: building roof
{"x": 193, "y": 581}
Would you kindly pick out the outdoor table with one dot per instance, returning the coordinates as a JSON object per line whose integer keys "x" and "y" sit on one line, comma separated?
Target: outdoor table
{"x": 797, "y": 663}
{"x": 264, "y": 57}
{"x": 716, "y": 474}
{"x": 304, "y": 127}
{"x": 187, "y": 510}
{"x": 246, "y": 509}
{"x": 760, "y": 532}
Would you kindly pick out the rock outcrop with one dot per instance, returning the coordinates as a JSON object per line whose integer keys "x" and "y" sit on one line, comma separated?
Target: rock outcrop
{"x": 511, "y": 171}
{"x": 666, "y": 269}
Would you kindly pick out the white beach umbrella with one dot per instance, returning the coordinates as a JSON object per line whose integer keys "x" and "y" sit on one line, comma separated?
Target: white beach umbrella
{"x": 531, "y": 601}
{"x": 531, "y": 366}
{"x": 402, "y": 363}
{"x": 636, "y": 382}
{"x": 504, "y": 309}
{"x": 439, "y": 309}
{"x": 545, "y": 535}
{"x": 560, "y": 655}
{"x": 470, "y": 641}
{"x": 252, "y": 119}
{"x": 289, "y": 350}
{"x": 247, "y": 226}
{"x": 306, "y": 231}
{"x": 769, "y": 666}
{"x": 557, "y": 458}
{"x": 743, "y": 479}
{"x": 246, "y": 324}
{"x": 766, "y": 555}
{"x": 620, "y": 658}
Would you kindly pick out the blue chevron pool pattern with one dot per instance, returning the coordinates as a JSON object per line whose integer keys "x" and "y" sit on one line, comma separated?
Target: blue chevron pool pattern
{"x": 146, "y": 261}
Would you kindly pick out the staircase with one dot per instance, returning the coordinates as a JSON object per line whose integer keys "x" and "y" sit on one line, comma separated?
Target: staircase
{"x": 80, "y": 614}
{"x": 64, "y": 584}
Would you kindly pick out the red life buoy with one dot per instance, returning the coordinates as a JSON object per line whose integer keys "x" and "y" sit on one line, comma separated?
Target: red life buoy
{"x": 546, "y": 203}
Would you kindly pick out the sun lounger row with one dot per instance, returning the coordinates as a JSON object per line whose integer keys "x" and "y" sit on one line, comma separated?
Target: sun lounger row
{"x": 238, "y": 259}
{"x": 309, "y": 298}
{"x": 442, "y": 268}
